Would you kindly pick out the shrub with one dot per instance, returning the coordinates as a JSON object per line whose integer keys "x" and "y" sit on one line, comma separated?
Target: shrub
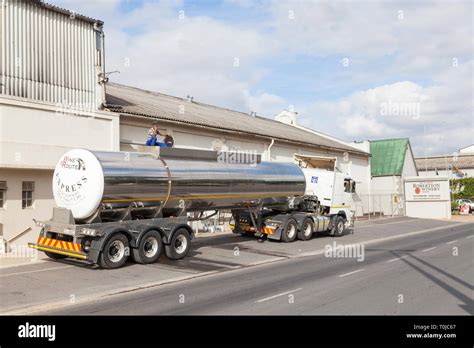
{"x": 463, "y": 188}
{"x": 454, "y": 206}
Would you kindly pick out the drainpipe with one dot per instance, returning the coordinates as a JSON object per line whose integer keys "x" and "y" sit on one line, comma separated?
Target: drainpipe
{"x": 102, "y": 78}
{"x": 269, "y": 149}
{"x": 4, "y": 54}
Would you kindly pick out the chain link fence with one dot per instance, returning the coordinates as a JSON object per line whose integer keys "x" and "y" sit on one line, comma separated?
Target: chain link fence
{"x": 376, "y": 206}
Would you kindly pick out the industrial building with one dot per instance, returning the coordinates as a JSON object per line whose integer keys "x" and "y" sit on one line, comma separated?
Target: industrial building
{"x": 55, "y": 97}
{"x": 455, "y": 166}
{"x": 391, "y": 161}
{"x": 52, "y": 73}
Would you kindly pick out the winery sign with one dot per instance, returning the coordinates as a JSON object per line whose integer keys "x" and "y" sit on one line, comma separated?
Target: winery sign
{"x": 427, "y": 190}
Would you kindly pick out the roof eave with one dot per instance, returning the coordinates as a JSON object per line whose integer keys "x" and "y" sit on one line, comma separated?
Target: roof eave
{"x": 67, "y": 12}
{"x": 125, "y": 113}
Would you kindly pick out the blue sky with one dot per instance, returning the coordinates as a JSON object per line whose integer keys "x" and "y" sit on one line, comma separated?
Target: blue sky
{"x": 339, "y": 63}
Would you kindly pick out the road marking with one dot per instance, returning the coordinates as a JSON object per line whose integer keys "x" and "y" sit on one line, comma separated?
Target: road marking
{"x": 346, "y": 274}
{"x": 428, "y": 249}
{"x": 470, "y": 236}
{"x": 388, "y": 223}
{"x": 208, "y": 263}
{"x": 451, "y": 242}
{"x": 384, "y": 239}
{"x": 41, "y": 270}
{"x": 398, "y": 258}
{"x": 275, "y": 296}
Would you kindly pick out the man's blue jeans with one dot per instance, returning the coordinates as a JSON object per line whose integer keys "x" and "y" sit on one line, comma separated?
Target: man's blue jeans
{"x": 154, "y": 142}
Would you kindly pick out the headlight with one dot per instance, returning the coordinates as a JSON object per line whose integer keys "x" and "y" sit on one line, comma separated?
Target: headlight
{"x": 89, "y": 231}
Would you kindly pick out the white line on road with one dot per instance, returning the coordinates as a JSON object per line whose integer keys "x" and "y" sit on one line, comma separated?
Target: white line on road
{"x": 428, "y": 249}
{"x": 388, "y": 223}
{"x": 470, "y": 236}
{"x": 275, "y": 296}
{"x": 207, "y": 263}
{"x": 398, "y": 258}
{"x": 451, "y": 242}
{"x": 40, "y": 270}
{"x": 384, "y": 239}
{"x": 346, "y": 274}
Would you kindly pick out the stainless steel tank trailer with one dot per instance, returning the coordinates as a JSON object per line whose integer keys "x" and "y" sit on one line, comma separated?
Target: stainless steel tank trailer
{"x": 116, "y": 205}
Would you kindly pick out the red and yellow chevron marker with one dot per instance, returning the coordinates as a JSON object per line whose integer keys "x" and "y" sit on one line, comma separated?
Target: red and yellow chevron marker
{"x": 60, "y": 244}
{"x": 267, "y": 230}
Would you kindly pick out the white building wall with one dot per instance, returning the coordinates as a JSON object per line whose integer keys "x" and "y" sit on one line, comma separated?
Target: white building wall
{"x": 33, "y": 136}
{"x": 13, "y": 218}
{"x": 383, "y": 192}
{"x": 467, "y": 150}
{"x": 409, "y": 166}
{"x": 447, "y": 173}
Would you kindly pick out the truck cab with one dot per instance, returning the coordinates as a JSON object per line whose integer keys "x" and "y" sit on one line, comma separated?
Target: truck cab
{"x": 326, "y": 207}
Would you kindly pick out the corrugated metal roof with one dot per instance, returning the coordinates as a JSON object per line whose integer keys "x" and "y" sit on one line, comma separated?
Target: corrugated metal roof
{"x": 135, "y": 101}
{"x": 388, "y": 156}
{"x": 440, "y": 162}
{"x": 65, "y": 11}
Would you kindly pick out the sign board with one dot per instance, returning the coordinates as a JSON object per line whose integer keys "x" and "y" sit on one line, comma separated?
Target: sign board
{"x": 427, "y": 190}
{"x": 427, "y": 197}
{"x": 464, "y": 209}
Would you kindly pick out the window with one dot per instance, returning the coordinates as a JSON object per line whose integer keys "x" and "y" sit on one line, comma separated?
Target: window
{"x": 3, "y": 189}
{"x": 349, "y": 186}
{"x": 27, "y": 194}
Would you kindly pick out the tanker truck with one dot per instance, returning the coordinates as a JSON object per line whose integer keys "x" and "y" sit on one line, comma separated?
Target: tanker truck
{"x": 112, "y": 206}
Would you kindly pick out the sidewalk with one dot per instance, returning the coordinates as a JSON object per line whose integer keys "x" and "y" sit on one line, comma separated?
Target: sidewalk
{"x": 11, "y": 260}
{"x": 461, "y": 218}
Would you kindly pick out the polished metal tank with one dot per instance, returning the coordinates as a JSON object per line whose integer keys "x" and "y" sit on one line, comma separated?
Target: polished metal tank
{"x": 143, "y": 185}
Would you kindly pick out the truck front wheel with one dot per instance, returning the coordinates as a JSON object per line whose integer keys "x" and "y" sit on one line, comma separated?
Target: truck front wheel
{"x": 149, "y": 248}
{"x": 289, "y": 231}
{"x": 115, "y": 252}
{"x": 339, "y": 226}
{"x": 179, "y": 245}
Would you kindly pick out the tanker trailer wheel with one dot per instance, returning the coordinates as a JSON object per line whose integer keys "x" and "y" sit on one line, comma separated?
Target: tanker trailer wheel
{"x": 307, "y": 229}
{"x": 149, "y": 248}
{"x": 290, "y": 230}
{"x": 55, "y": 256}
{"x": 179, "y": 245}
{"x": 339, "y": 226}
{"x": 115, "y": 252}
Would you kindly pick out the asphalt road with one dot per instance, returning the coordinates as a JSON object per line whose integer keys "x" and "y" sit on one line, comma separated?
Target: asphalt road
{"x": 429, "y": 273}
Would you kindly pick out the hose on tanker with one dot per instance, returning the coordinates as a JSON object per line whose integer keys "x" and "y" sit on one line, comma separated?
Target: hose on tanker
{"x": 168, "y": 194}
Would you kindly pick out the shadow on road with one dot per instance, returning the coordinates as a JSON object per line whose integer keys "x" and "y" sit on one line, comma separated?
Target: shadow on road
{"x": 468, "y": 303}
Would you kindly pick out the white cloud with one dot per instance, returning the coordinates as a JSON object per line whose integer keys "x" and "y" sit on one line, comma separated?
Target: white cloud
{"x": 156, "y": 49}
{"x": 436, "y": 118}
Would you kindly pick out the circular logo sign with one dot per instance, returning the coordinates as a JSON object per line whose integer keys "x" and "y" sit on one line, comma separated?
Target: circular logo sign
{"x": 78, "y": 183}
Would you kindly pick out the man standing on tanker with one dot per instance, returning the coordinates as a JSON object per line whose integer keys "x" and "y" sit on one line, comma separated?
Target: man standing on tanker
{"x": 152, "y": 139}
